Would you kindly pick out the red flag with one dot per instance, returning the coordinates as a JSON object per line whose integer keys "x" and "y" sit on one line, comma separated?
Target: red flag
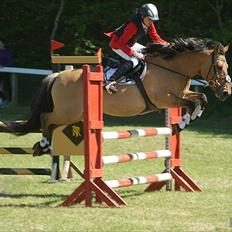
{"x": 109, "y": 34}
{"x": 55, "y": 45}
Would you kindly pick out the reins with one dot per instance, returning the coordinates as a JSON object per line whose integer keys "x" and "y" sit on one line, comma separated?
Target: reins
{"x": 184, "y": 75}
{"x": 168, "y": 69}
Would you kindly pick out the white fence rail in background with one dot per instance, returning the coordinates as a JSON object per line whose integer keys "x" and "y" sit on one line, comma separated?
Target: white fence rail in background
{"x": 14, "y": 78}
{"x": 37, "y": 72}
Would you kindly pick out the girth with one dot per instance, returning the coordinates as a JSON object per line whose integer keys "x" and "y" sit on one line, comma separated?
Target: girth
{"x": 150, "y": 107}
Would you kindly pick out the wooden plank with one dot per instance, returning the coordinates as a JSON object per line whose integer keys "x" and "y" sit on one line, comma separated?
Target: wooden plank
{"x": 76, "y": 59}
{"x": 62, "y": 145}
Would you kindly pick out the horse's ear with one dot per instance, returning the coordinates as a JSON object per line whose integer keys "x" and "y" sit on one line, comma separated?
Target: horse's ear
{"x": 226, "y": 48}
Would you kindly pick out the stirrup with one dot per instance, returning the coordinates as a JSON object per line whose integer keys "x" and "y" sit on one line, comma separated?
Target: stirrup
{"x": 111, "y": 87}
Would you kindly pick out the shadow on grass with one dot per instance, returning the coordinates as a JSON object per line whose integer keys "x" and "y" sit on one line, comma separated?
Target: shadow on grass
{"x": 221, "y": 127}
{"x": 23, "y": 195}
{"x": 128, "y": 193}
{"x": 30, "y": 205}
{"x": 125, "y": 194}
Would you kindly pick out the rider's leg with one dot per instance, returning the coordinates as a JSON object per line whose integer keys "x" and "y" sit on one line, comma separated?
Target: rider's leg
{"x": 116, "y": 77}
{"x": 122, "y": 70}
{"x": 130, "y": 62}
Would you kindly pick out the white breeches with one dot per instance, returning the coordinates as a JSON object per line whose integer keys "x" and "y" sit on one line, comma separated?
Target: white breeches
{"x": 136, "y": 47}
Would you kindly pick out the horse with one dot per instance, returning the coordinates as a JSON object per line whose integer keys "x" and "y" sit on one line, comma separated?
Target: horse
{"x": 167, "y": 84}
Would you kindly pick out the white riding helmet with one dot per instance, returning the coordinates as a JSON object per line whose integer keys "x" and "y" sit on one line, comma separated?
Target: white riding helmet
{"x": 149, "y": 10}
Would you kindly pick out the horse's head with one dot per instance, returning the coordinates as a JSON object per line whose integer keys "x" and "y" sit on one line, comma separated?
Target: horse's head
{"x": 215, "y": 72}
{"x": 212, "y": 67}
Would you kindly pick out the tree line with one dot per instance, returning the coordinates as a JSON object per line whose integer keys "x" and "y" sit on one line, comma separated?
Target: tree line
{"x": 27, "y": 26}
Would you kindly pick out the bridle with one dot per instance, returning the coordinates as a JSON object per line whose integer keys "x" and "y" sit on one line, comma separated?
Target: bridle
{"x": 218, "y": 78}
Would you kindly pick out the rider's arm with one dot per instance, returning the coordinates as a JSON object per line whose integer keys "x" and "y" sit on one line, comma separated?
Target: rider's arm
{"x": 155, "y": 36}
{"x": 129, "y": 31}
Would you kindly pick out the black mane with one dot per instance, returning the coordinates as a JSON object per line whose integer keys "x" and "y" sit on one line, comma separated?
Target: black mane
{"x": 180, "y": 45}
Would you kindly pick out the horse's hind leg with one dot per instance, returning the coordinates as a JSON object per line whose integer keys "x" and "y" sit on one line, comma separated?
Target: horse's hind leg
{"x": 43, "y": 146}
{"x": 48, "y": 122}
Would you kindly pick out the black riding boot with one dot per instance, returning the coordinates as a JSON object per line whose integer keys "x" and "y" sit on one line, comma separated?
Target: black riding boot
{"x": 121, "y": 71}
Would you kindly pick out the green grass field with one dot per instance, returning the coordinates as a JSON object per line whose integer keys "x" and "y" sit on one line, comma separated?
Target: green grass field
{"x": 30, "y": 203}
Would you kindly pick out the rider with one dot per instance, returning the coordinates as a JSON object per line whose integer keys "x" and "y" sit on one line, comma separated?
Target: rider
{"x": 124, "y": 41}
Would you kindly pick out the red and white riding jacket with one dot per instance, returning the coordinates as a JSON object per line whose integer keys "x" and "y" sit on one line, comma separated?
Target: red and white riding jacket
{"x": 128, "y": 34}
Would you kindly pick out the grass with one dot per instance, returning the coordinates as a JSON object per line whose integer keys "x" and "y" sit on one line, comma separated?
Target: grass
{"x": 30, "y": 203}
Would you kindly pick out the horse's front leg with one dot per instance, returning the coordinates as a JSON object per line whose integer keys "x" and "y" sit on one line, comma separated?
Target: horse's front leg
{"x": 172, "y": 100}
{"x": 199, "y": 102}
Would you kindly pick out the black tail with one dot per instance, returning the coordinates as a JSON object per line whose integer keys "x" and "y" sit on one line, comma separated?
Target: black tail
{"x": 42, "y": 102}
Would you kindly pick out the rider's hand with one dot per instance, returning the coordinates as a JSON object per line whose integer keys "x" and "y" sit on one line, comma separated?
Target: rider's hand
{"x": 166, "y": 44}
{"x": 139, "y": 55}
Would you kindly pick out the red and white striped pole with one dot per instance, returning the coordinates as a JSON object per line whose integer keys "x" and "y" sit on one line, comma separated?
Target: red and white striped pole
{"x": 136, "y": 133}
{"x": 112, "y": 159}
{"x": 125, "y": 182}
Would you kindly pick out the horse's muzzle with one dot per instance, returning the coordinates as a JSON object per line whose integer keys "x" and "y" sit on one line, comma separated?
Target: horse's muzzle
{"x": 224, "y": 92}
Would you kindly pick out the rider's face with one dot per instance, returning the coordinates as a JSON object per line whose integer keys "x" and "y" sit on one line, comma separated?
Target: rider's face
{"x": 147, "y": 21}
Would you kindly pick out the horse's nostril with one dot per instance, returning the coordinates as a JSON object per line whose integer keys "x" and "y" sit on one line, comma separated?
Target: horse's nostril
{"x": 225, "y": 93}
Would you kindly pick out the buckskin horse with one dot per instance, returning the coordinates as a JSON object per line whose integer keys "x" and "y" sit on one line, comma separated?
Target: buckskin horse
{"x": 167, "y": 83}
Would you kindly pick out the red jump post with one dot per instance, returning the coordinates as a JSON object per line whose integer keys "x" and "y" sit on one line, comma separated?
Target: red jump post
{"x": 93, "y": 125}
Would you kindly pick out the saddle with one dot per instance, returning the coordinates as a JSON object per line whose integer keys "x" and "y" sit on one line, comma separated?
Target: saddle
{"x": 134, "y": 76}
{"x": 128, "y": 79}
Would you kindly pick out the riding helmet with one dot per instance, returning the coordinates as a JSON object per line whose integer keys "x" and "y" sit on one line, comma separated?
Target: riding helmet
{"x": 149, "y": 10}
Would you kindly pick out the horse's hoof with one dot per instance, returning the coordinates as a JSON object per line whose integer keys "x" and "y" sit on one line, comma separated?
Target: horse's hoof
{"x": 37, "y": 149}
{"x": 36, "y": 153}
{"x": 176, "y": 129}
